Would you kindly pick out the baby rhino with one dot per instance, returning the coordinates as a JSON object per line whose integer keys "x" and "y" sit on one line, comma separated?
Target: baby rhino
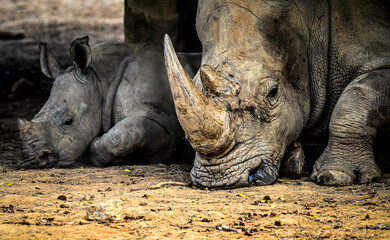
{"x": 114, "y": 104}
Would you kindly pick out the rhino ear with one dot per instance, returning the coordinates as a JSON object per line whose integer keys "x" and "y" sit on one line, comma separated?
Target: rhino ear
{"x": 81, "y": 53}
{"x": 49, "y": 65}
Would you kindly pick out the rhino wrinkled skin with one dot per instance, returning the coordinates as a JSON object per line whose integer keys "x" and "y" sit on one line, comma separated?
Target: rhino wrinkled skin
{"x": 114, "y": 104}
{"x": 278, "y": 75}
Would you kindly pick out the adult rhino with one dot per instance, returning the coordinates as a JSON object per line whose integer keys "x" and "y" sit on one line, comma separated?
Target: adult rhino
{"x": 275, "y": 73}
{"x": 114, "y": 101}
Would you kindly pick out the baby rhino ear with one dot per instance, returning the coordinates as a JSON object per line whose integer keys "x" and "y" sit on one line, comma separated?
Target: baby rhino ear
{"x": 49, "y": 64}
{"x": 81, "y": 53}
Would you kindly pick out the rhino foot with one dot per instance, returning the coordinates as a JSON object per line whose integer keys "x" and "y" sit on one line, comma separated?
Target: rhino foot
{"x": 340, "y": 178}
{"x": 362, "y": 110}
{"x": 333, "y": 170}
{"x": 265, "y": 174}
{"x": 101, "y": 153}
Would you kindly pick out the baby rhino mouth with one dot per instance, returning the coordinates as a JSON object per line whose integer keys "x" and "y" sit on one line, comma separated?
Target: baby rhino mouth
{"x": 43, "y": 158}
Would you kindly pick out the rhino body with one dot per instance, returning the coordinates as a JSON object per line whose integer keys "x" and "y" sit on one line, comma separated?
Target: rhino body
{"x": 113, "y": 105}
{"x": 277, "y": 75}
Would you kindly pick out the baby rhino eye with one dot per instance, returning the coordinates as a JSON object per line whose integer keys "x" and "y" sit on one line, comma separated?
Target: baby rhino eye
{"x": 68, "y": 122}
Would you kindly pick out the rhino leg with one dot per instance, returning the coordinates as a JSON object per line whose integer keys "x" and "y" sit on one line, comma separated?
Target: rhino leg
{"x": 293, "y": 161}
{"x": 363, "y": 108}
{"x": 131, "y": 133}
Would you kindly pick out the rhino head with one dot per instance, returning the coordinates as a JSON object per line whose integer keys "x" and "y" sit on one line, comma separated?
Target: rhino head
{"x": 71, "y": 117}
{"x": 250, "y": 99}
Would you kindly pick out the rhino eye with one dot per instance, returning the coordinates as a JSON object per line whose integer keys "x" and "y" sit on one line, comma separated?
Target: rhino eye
{"x": 68, "y": 122}
{"x": 273, "y": 92}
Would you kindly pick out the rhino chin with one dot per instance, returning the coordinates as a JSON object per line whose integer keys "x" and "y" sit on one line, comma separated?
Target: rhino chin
{"x": 236, "y": 181}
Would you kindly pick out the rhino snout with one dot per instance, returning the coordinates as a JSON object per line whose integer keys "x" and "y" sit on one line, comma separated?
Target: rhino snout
{"x": 37, "y": 157}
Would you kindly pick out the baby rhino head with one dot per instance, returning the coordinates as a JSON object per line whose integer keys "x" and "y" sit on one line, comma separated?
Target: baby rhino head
{"x": 70, "y": 119}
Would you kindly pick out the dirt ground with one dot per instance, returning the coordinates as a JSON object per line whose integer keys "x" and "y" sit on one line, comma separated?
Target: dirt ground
{"x": 132, "y": 202}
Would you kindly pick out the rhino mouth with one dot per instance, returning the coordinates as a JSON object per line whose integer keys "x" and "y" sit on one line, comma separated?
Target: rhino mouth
{"x": 253, "y": 171}
{"x": 44, "y": 158}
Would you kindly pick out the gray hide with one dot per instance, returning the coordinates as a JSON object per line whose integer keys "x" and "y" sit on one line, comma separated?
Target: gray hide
{"x": 276, "y": 74}
{"x": 113, "y": 103}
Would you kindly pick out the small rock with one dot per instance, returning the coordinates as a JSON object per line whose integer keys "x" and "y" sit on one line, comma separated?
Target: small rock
{"x": 267, "y": 198}
{"x": 259, "y": 203}
{"x": 279, "y": 223}
{"x": 8, "y": 209}
{"x": 62, "y": 197}
{"x": 369, "y": 203}
{"x": 110, "y": 212}
{"x": 248, "y": 233}
{"x": 338, "y": 225}
{"x": 273, "y": 214}
{"x": 224, "y": 228}
{"x": 330, "y": 200}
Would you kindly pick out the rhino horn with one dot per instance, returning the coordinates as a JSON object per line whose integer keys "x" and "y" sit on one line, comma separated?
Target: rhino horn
{"x": 205, "y": 121}
{"x": 23, "y": 125}
{"x": 216, "y": 83}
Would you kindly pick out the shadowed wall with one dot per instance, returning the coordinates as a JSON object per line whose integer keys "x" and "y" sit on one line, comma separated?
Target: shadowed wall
{"x": 149, "y": 20}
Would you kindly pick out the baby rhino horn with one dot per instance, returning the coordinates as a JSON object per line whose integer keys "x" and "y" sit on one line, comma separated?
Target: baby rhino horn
{"x": 23, "y": 125}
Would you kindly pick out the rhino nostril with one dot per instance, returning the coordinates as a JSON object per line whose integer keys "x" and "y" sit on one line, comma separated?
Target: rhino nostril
{"x": 45, "y": 154}
{"x": 266, "y": 173}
